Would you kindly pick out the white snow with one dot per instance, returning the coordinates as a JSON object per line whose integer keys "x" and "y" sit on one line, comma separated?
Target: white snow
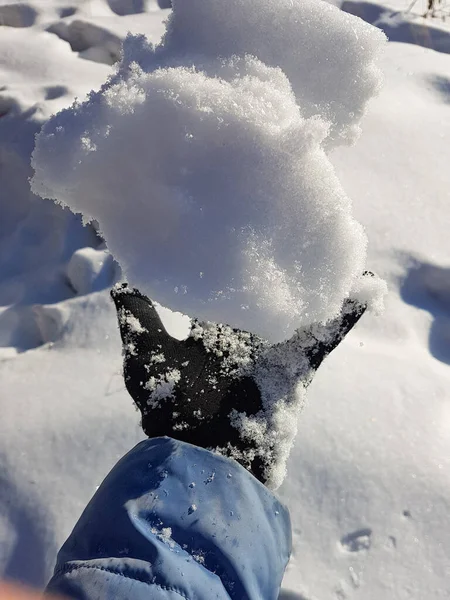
{"x": 368, "y": 483}
{"x": 162, "y": 387}
{"x": 208, "y": 152}
{"x": 165, "y": 535}
{"x": 156, "y": 358}
{"x": 91, "y": 270}
{"x": 128, "y": 320}
{"x": 327, "y": 55}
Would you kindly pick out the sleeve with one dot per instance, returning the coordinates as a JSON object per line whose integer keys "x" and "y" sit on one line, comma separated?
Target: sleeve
{"x": 175, "y": 521}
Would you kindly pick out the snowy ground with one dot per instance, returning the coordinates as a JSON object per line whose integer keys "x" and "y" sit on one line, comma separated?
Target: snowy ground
{"x": 369, "y": 478}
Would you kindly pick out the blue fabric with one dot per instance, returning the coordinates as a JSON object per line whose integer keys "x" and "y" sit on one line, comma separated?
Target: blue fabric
{"x": 175, "y": 521}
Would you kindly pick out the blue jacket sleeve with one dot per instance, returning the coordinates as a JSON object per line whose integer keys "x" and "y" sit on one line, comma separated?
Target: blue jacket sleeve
{"x": 174, "y": 521}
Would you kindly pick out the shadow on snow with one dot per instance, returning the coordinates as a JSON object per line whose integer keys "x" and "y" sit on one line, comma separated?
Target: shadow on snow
{"x": 400, "y": 26}
{"x": 428, "y": 287}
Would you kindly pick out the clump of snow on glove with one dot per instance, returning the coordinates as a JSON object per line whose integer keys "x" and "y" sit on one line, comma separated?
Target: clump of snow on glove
{"x": 235, "y": 348}
{"x": 282, "y": 373}
{"x": 165, "y": 535}
{"x": 128, "y": 320}
{"x": 162, "y": 387}
{"x": 203, "y": 160}
{"x": 133, "y": 328}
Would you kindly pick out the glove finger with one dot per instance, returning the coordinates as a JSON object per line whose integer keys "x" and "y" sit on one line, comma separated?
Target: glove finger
{"x": 139, "y": 321}
{"x": 303, "y": 353}
{"x": 326, "y": 337}
{"x": 331, "y": 334}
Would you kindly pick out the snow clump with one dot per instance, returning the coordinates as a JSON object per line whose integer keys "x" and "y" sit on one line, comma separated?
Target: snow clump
{"x": 204, "y": 161}
{"x": 162, "y": 387}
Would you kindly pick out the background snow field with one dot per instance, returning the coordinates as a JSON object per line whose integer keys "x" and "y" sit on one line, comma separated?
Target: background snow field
{"x": 205, "y": 167}
{"x": 368, "y": 481}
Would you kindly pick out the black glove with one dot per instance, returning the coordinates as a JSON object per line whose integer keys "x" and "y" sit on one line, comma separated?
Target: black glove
{"x": 222, "y": 388}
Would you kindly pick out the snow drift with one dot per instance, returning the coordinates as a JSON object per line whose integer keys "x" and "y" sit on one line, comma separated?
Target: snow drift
{"x": 203, "y": 160}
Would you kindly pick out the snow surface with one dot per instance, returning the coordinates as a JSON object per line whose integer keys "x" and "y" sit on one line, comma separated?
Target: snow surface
{"x": 205, "y": 166}
{"x": 368, "y": 481}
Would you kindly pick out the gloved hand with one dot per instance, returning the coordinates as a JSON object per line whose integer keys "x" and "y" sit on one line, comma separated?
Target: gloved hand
{"x": 223, "y": 389}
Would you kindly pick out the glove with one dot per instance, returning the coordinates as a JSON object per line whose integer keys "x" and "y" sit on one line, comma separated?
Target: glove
{"x": 221, "y": 388}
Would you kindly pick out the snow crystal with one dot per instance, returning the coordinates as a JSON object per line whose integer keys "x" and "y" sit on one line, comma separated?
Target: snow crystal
{"x": 199, "y": 558}
{"x": 162, "y": 386}
{"x": 129, "y": 348}
{"x": 155, "y": 358}
{"x": 180, "y": 426}
{"x": 236, "y": 349}
{"x": 208, "y": 152}
{"x": 165, "y": 535}
{"x": 130, "y": 322}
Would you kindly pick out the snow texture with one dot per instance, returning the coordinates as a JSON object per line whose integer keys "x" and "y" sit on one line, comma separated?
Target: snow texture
{"x": 203, "y": 160}
{"x": 134, "y": 328}
{"x": 165, "y": 535}
{"x": 162, "y": 387}
{"x": 132, "y": 323}
{"x": 292, "y": 35}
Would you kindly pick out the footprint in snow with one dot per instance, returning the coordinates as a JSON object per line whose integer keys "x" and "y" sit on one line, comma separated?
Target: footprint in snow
{"x": 17, "y": 15}
{"x": 357, "y": 541}
{"x": 53, "y": 92}
{"x": 67, "y": 11}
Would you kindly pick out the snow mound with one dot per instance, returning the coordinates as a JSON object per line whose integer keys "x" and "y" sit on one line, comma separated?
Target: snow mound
{"x": 17, "y": 15}
{"x": 205, "y": 167}
{"x": 90, "y": 270}
{"x": 328, "y": 55}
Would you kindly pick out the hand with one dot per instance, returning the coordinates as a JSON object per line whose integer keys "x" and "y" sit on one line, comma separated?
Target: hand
{"x": 222, "y": 388}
